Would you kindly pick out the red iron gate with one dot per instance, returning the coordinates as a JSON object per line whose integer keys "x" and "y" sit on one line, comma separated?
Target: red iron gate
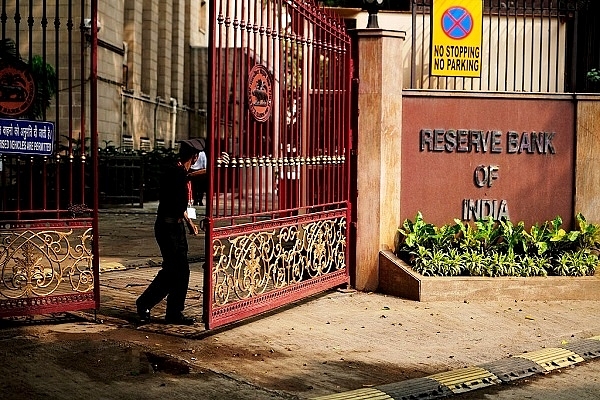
{"x": 48, "y": 157}
{"x": 279, "y": 151}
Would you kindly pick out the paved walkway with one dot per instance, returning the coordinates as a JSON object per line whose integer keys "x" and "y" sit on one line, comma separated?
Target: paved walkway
{"x": 365, "y": 345}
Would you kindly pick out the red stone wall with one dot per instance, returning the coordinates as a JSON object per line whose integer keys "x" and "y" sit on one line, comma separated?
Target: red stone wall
{"x": 466, "y": 161}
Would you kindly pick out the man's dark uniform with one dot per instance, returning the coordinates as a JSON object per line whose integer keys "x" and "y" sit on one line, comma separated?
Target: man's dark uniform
{"x": 170, "y": 232}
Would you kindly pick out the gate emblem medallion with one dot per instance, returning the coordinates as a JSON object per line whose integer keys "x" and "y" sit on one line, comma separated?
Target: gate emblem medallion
{"x": 17, "y": 88}
{"x": 260, "y": 93}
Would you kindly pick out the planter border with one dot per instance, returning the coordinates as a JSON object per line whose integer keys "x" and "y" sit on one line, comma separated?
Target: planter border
{"x": 396, "y": 278}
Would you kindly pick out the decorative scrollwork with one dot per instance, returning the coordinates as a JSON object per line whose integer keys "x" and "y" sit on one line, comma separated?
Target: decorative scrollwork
{"x": 78, "y": 210}
{"x": 255, "y": 263}
{"x": 36, "y": 264}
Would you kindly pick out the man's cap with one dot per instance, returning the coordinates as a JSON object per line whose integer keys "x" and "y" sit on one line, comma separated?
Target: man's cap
{"x": 195, "y": 144}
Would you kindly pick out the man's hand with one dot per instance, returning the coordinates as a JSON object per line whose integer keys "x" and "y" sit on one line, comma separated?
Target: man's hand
{"x": 190, "y": 224}
{"x": 197, "y": 172}
{"x": 193, "y": 228}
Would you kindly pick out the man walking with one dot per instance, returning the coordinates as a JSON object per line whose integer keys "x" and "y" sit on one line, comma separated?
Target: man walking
{"x": 170, "y": 232}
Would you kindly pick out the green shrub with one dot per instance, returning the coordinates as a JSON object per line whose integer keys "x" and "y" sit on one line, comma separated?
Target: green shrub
{"x": 499, "y": 248}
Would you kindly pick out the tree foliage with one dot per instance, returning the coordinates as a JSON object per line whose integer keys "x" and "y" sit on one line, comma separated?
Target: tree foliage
{"x": 45, "y": 82}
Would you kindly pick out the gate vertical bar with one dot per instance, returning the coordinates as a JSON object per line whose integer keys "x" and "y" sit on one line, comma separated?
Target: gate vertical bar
{"x": 82, "y": 118}
{"x": 211, "y": 165}
{"x": 94, "y": 148}
{"x": 58, "y": 126}
{"x": 70, "y": 98}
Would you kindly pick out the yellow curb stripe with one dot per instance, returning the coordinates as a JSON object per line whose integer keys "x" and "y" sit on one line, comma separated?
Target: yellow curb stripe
{"x": 466, "y": 379}
{"x": 553, "y": 358}
{"x": 111, "y": 266}
{"x": 359, "y": 394}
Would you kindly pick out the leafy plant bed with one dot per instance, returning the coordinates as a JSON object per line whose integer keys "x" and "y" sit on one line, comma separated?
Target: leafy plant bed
{"x": 398, "y": 279}
{"x": 499, "y": 248}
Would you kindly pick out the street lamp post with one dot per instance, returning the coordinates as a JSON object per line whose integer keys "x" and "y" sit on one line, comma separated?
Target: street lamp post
{"x": 372, "y": 6}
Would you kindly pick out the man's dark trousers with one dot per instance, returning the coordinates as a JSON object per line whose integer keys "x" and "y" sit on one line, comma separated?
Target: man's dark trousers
{"x": 173, "y": 279}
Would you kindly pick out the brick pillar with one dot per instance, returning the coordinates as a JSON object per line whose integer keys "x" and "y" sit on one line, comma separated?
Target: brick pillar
{"x": 379, "y": 149}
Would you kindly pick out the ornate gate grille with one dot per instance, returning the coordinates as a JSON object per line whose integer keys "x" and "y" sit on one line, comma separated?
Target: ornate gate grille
{"x": 48, "y": 199}
{"x": 279, "y": 146}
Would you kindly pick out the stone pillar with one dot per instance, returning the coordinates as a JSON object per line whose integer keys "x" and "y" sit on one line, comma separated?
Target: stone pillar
{"x": 177, "y": 57}
{"x": 132, "y": 34}
{"x": 165, "y": 48}
{"x": 378, "y": 149}
{"x": 587, "y": 176}
{"x": 150, "y": 48}
{"x": 192, "y": 11}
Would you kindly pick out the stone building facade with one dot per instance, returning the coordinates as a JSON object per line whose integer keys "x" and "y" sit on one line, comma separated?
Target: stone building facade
{"x": 151, "y": 72}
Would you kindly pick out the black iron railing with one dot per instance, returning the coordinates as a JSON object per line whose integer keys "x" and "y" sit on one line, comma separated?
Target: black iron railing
{"x": 535, "y": 46}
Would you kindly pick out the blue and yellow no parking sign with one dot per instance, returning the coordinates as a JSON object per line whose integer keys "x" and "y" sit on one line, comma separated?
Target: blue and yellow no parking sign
{"x": 456, "y": 31}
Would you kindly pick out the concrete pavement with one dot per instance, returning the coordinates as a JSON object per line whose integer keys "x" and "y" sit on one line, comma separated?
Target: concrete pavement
{"x": 343, "y": 343}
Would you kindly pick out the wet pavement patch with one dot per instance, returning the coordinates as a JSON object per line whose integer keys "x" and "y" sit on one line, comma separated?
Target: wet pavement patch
{"x": 39, "y": 320}
{"x": 109, "y": 361}
{"x": 168, "y": 365}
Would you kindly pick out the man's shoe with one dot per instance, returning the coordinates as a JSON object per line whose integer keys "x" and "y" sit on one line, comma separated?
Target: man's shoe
{"x": 179, "y": 320}
{"x": 144, "y": 315}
